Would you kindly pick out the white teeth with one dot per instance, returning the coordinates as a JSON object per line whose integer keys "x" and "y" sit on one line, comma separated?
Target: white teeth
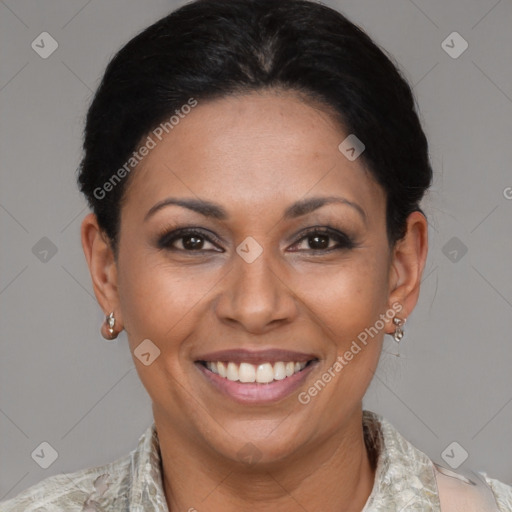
{"x": 212, "y": 367}
{"x": 246, "y": 373}
{"x": 279, "y": 371}
{"x": 262, "y": 373}
{"x": 221, "y": 367}
{"x": 232, "y": 371}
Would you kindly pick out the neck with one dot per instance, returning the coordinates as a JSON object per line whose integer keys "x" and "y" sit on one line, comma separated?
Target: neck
{"x": 334, "y": 475}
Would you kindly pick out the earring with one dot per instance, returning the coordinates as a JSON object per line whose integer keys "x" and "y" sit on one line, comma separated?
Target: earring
{"x": 110, "y": 321}
{"x": 399, "y": 332}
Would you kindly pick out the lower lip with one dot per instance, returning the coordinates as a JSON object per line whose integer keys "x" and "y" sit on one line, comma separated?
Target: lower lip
{"x": 256, "y": 393}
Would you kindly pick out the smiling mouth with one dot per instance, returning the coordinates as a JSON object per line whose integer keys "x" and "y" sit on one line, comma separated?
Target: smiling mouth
{"x": 263, "y": 373}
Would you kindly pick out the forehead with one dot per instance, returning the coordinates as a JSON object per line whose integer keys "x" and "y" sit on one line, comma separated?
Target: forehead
{"x": 256, "y": 150}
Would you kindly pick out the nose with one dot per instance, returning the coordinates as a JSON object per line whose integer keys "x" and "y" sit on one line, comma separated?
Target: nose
{"x": 256, "y": 296}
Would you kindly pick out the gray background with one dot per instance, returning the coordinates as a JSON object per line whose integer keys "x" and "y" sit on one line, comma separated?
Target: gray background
{"x": 61, "y": 383}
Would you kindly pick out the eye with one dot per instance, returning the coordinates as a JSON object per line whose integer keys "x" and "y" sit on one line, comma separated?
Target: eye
{"x": 319, "y": 239}
{"x": 194, "y": 240}
{"x": 190, "y": 240}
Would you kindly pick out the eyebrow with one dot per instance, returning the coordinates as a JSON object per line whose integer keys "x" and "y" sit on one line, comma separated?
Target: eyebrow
{"x": 216, "y": 211}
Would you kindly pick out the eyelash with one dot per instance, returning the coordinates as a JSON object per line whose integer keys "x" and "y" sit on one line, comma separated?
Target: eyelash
{"x": 344, "y": 241}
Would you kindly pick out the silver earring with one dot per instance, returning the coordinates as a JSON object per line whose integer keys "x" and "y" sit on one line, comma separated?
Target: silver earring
{"x": 110, "y": 321}
{"x": 399, "y": 332}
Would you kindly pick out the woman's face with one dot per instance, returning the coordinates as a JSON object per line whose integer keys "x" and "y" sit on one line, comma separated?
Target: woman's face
{"x": 268, "y": 276}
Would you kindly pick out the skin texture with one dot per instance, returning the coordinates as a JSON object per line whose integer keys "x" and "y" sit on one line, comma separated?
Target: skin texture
{"x": 255, "y": 154}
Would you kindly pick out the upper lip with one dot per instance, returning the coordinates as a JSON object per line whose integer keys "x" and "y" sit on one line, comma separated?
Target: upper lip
{"x": 257, "y": 356}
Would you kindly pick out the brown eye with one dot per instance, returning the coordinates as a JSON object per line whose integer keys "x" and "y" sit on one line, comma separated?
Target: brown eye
{"x": 194, "y": 240}
{"x": 321, "y": 239}
{"x": 191, "y": 240}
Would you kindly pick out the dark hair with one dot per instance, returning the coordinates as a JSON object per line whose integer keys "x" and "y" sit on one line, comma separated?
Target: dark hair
{"x": 210, "y": 49}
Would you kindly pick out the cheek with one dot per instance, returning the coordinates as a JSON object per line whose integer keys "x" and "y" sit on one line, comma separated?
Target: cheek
{"x": 347, "y": 303}
{"x": 160, "y": 301}
{"x": 363, "y": 299}
{"x": 157, "y": 304}
{"x": 349, "y": 296}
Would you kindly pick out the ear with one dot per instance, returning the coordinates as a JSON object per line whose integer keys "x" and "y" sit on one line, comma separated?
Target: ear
{"x": 102, "y": 265}
{"x": 408, "y": 261}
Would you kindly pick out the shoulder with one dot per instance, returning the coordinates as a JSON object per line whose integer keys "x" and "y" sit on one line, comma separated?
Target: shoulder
{"x": 86, "y": 490}
{"x": 471, "y": 491}
{"x": 406, "y": 476}
{"x": 502, "y": 493}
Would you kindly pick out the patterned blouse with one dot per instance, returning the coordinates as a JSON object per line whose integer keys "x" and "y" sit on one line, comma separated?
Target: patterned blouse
{"x": 404, "y": 480}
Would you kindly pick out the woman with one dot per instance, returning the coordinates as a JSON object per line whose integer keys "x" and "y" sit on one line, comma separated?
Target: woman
{"x": 255, "y": 236}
